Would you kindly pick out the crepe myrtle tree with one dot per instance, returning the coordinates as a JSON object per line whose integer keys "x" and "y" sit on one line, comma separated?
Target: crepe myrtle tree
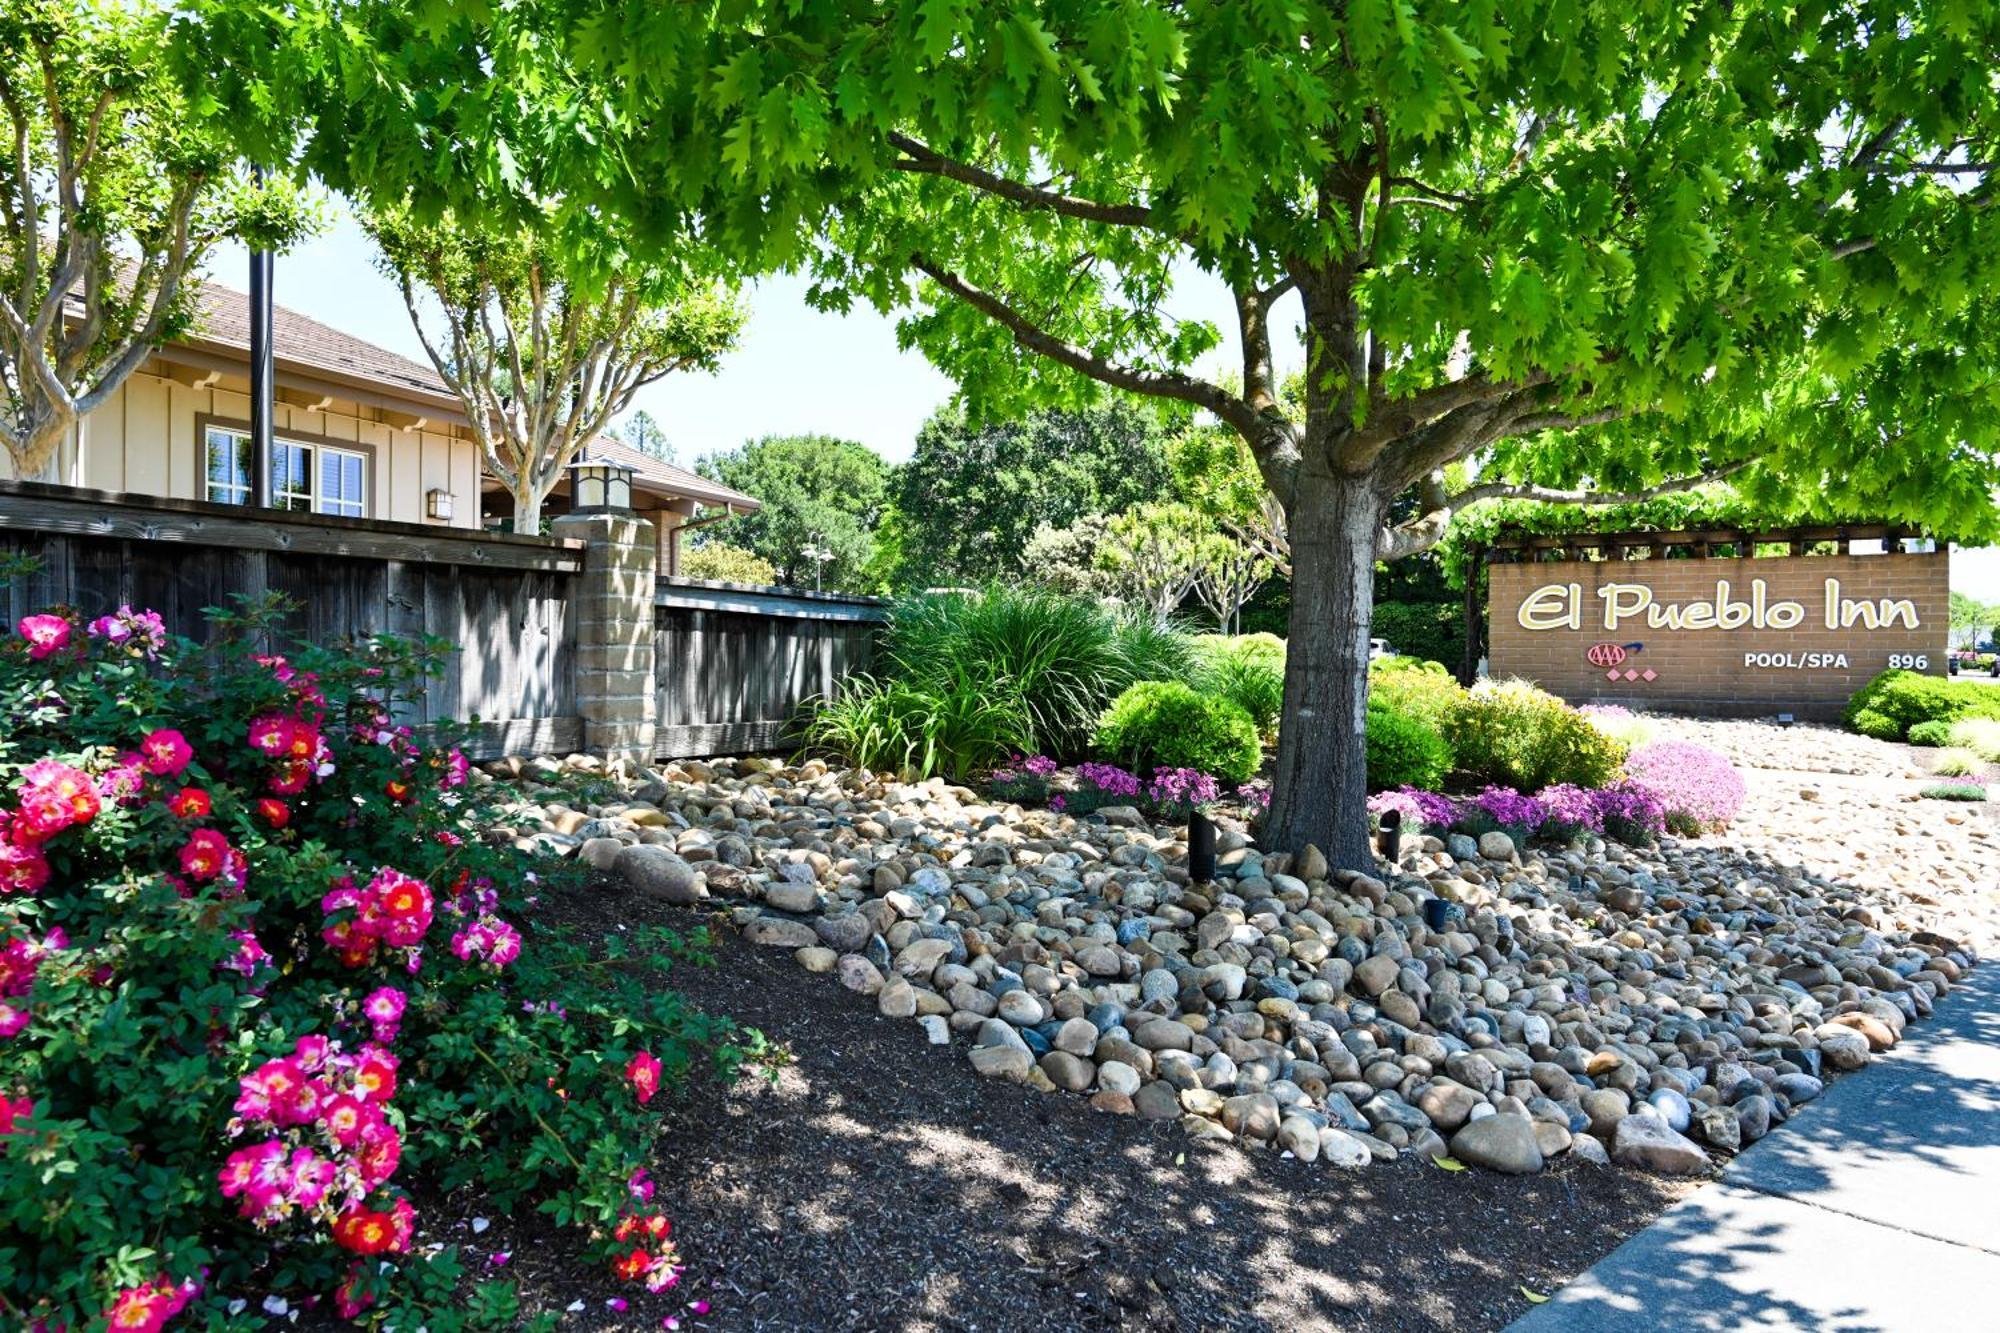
{"x": 545, "y": 333}
{"x": 114, "y": 190}
{"x": 1603, "y": 249}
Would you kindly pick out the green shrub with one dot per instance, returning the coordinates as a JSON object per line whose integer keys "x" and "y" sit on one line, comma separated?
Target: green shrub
{"x": 1981, "y": 735}
{"x": 1628, "y": 728}
{"x": 1878, "y": 725}
{"x": 1431, "y": 631}
{"x": 1955, "y": 791}
{"x": 1404, "y": 751}
{"x": 1416, "y": 689}
{"x": 244, "y": 878}
{"x": 1513, "y": 735}
{"x": 960, "y": 727}
{"x": 1955, "y": 763}
{"x": 1060, "y": 660}
{"x": 720, "y": 562}
{"x": 1248, "y": 670}
{"x": 1902, "y": 699}
{"x": 1165, "y": 724}
{"x": 1936, "y": 732}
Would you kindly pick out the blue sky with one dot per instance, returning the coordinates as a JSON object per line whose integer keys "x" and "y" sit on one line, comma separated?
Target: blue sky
{"x": 796, "y": 370}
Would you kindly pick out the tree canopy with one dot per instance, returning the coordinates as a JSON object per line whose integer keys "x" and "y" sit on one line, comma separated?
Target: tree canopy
{"x": 1600, "y": 247}
{"x": 818, "y": 494}
{"x": 116, "y": 188}
{"x": 972, "y": 494}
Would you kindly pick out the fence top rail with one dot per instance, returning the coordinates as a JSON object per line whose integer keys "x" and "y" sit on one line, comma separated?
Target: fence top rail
{"x": 674, "y": 593}
{"x": 75, "y": 511}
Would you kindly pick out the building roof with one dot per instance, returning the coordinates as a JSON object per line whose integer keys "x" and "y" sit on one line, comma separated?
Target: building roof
{"x": 304, "y": 343}
{"x": 657, "y": 475}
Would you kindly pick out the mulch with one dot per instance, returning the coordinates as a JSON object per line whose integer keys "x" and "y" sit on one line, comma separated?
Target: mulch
{"x": 878, "y": 1183}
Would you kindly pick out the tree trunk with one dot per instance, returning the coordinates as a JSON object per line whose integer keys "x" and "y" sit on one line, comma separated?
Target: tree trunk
{"x": 528, "y": 510}
{"x": 1321, "y": 790}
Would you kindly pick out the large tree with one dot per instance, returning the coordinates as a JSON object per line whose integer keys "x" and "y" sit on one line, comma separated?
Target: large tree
{"x": 114, "y": 189}
{"x": 821, "y": 498}
{"x": 1595, "y": 247}
{"x": 545, "y": 337}
{"x": 1602, "y": 248}
{"x": 973, "y": 493}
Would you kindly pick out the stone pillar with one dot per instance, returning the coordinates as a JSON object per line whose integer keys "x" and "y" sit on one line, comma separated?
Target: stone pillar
{"x": 613, "y": 607}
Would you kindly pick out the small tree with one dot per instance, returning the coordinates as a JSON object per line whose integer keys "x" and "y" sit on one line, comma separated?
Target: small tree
{"x": 1154, "y": 555}
{"x": 1228, "y": 573}
{"x": 116, "y": 189}
{"x": 1065, "y": 559}
{"x": 819, "y": 494}
{"x": 639, "y": 430}
{"x": 544, "y": 338}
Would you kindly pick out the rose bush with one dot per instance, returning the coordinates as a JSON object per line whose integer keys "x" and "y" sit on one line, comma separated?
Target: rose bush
{"x": 263, "y": 975}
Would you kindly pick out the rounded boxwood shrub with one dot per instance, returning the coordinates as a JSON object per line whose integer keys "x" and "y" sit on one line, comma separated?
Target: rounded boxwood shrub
{"x": 1936, "y": 732}
{"x": 1165, "y": 724}
{"x": 1878, "y": 725}
{"x": 1404, "y": 751}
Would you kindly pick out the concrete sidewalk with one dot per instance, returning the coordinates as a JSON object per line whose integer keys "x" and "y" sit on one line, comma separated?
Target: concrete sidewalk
{"x": 1875, "y": 1207}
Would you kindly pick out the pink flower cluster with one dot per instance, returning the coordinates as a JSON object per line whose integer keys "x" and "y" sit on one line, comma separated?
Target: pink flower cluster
{"x": 329, "y": 1143}
{"x": 652, "y": 1258}
{"x": 384, "y": 1011}
{"x": 147, "y": 1307}
{"x": 392, "y": 910}
{"x": 483, "y": 937}
{"x": 20, "y": 960}
{"x": 54, "y": 796}
{"x": 249, "y": 956}
{"x": 138, "y": 633}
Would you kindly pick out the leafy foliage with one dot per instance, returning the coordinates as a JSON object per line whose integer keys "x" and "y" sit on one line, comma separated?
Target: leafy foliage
{"x": 218, "y": 860}
{"x": 1405, "y": 750}
{"x": 118, "y": 188}
{"x": 1060, "y": 659}
{"x": 1981, "y": 735}
{"x": 1954, "y": 791}
{"x": 543, "y": 348}
{"x": 817, "y": 493}
{"x": 973, "y": 493}
{"x": 1430, "y": 631}
{"x": 1896, "y": 700}
{"x": 1166, "y": 724}
{"x": 1935, "y": 732}
{"x": 1515, "y": 735}
{"x": 1247, "y": 673}
{"x": 950, "y": 723}
{"x": 722, "y": 563}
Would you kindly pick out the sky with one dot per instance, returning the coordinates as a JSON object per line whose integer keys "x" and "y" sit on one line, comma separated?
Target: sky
{"x": 796, "y": 371}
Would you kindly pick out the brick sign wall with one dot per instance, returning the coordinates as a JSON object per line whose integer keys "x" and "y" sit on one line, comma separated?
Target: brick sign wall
{"x": 1795, "y": 634}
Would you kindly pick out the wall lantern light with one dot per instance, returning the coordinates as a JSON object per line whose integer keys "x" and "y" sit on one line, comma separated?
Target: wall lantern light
{"x": 597, "y": 485}
{"x": 437, "y": 503}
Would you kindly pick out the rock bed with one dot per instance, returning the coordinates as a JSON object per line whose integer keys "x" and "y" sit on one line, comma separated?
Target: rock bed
{"x": 1619, "y": 1004}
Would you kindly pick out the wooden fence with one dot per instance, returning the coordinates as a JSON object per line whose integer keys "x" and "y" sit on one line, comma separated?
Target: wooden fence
{"x": 733, "y": 664}
{"x": 500, "y": 600}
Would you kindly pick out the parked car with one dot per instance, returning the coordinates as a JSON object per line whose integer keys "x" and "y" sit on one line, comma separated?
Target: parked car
{"x": 1379, "y": 648}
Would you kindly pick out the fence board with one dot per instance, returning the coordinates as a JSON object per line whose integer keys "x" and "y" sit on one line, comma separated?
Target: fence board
{"x": 734, "y": 665}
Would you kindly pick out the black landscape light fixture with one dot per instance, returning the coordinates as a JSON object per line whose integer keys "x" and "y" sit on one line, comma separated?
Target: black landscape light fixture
{"x": 1201, "y": 848}
{"x": 1389, "y": 836}
{"x": 600, "y": 486}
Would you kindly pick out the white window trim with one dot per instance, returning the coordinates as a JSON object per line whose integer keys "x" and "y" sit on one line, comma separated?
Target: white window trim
{"x": 314, "y": 495}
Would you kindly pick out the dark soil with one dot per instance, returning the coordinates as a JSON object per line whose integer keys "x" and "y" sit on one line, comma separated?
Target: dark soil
{"x": 879, "y": 1183}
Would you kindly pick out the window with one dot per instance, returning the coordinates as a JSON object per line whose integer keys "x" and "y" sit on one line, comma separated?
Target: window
{"x": 309, "y": 478}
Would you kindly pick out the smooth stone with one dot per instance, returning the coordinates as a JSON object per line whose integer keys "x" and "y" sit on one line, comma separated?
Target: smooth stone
{"x": 789, "y": 897}
{"x": 1008, "y": 1062}
{"x": 1504, "y": 1143}
{"x": 1649, "y": 1143}
{"x": 1114, "y": 1076}
{"x": 783, "y": 934}
{"x": 1071, "y": 1073}
{"x": 661, "y": 873}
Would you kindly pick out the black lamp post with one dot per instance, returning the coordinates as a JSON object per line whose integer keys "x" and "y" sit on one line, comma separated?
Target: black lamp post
{"x": 262, "y": 366}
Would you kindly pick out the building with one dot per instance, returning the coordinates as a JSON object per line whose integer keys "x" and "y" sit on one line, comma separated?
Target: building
{"x": 360, "y": 432}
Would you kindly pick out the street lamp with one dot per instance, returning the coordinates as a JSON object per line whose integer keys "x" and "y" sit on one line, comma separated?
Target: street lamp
{"x": 819, "y": 555}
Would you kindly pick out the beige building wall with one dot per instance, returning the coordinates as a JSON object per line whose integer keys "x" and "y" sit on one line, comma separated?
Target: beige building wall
{"x": 145, "y": 440}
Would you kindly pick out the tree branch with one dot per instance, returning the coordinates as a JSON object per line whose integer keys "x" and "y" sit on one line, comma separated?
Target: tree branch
{"x": 921, "y": 159}
{"x": 1151, "y": 383}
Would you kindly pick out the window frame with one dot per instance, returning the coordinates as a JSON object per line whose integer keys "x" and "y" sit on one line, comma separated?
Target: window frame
{"x": 314, "y": 445}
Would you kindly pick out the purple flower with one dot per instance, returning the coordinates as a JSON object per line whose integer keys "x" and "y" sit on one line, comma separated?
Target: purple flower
{"x": 1570, "y": 810}
{"x": 1630, "y": 813}
{"x": 1510, "y": 809}
{"x": 1694, "y": 785}
{"x": 1039, "y": 765}
{"x": 1255, "y": 795}
{"x": 1181, "y": 789}
{"x": 1419, "y": 808}
{"x": 1108, "y": 779}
